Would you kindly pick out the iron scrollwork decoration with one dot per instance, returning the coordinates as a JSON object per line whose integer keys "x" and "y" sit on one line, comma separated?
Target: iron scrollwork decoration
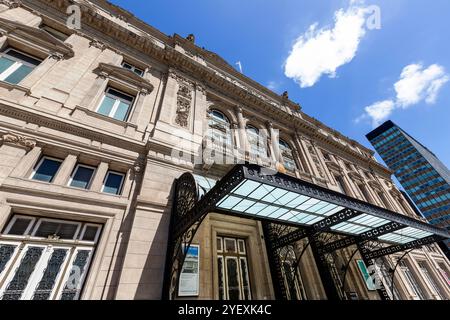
{"x": 47, "y": 283}
{"x": 72, "y": 287}
{"x": 17, "y": 286}
{"x": 186, "y": 197}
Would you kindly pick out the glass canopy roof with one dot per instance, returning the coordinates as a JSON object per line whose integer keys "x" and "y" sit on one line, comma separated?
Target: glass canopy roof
{"x": 265, "y": 201}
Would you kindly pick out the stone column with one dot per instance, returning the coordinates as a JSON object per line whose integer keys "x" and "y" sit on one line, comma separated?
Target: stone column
{"x": 169, "y": 103}
{"x": 63, "y": 174}
{"x": 200, "y": 109}
{"x": 129, "y": 178}
{"x": 303, "y": 153}
{"x": 95, "y": 91}
{"x": 241, "y": 127}
{"x": 324, "y": 165}
{"x": 274, "y": 139}
{"x": 26, "y": 163}
{"x": 34, "y": 78}
{"x": 12, "y": 149}
{"x": 5, "y": 210}
{"x": 2, "y": 40}
{"x": 99, "y": 177}
{"x": 138, "y": 105}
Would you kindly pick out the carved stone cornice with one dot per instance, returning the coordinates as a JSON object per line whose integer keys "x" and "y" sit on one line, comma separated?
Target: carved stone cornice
{"x": 17, "y": 140}
{"x": 70, "y": 128}
{"x": 227, "y": 81}
{"x": 36, "y": 38}
{"x": 105, "y": 70}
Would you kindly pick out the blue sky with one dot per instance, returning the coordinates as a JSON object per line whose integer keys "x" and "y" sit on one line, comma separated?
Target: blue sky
{"x": 343, "y": 73}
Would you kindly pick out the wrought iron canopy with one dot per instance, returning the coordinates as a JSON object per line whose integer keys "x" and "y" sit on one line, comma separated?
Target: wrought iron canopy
{"x": 256, "y": 192}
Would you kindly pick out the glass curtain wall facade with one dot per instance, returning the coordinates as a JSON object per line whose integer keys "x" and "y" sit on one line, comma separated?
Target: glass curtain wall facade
{"x": 424, "y": 177}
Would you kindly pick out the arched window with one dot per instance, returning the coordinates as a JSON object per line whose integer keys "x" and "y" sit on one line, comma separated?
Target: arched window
{"x": 257, "y": 142}
{"x": 219, "y": 129}
{"x": 287, "y": 156}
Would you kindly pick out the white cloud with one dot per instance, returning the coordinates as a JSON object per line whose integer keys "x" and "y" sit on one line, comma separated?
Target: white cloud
{"x": 379, "y": 111}
{"x": 322, "y": 51}
{"x": 273, "y": 85}
{"x": 417, "y": 84}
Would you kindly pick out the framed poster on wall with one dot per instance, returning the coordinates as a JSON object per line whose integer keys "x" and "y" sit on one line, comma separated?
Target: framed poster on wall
{"x": 189, "y": 277}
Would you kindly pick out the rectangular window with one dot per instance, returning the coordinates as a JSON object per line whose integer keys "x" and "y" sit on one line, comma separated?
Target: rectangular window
{"x": 46, "y": 169}
{"x": 44, "y": 269}
{"x": 412, "y": 281}
{"x": 19, "y": 225}
{"x": 113, "y": 182}
{"x": 116, "y": 104}
{"x": 233, "y": 271}
{"x": 133, "y": 68}
{"x": 15, "y": 65}
{"x": 46, "y": 228}
{"x": 430, "y": 279}
{"x": 82, "y": 176}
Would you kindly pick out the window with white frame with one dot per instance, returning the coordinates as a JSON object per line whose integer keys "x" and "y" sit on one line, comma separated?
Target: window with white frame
{"x": 287, "y": 155}
{"x": 133, "y": 68}
{"x": 16, "y": 65}
{"x": 257, "y": 142}
{"x": 430, "y": 279}
{"x": 443, "y": 271}
{"x": 232, "y": 267}
{"x": 219, "y": 130}
{"x": 82, "y": 176}
{"x": 113, "y": 182}
{"x": 116, "y": 104}
{"x": 45, "y": 258}
{"x": 46, "y": 169}
{"x": 412, "y": 281}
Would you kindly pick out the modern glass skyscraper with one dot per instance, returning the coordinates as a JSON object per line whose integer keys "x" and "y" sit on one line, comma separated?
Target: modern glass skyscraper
{"x": 424, "y": 177}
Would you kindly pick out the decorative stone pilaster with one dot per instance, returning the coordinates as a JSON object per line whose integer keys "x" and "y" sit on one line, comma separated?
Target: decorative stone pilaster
{"x": 100, "y": 173}
{"x": 66, "y": 168}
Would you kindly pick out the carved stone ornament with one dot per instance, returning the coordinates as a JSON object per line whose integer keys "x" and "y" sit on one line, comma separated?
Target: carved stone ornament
{"x": 17, "y": 140}
{"x": 97, "y": 44}
{"x": 56, "y": 55}
{"x": 11, "y": 3}
{"x": 184, "y": 98}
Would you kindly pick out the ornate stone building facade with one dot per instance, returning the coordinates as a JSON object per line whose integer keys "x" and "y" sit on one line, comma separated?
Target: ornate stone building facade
{"x": 92, "y": 125}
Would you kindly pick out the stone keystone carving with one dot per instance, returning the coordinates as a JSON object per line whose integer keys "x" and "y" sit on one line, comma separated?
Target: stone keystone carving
{"x": 21, "y": 141}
